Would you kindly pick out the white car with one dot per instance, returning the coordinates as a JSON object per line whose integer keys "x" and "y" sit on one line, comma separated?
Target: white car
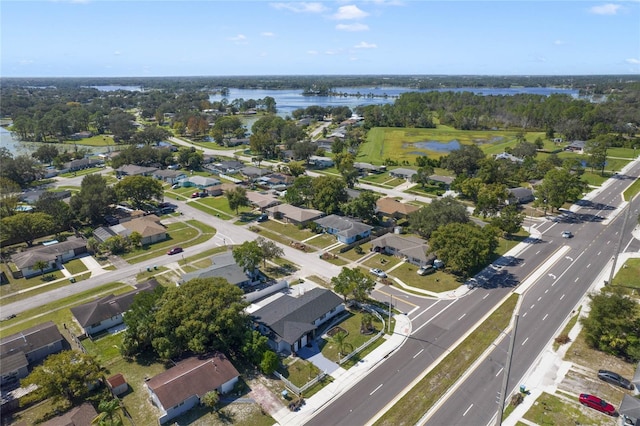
{"x": 378, "y": 272}
{"x": 425, "y": 270}
{"x": 567, "y": 234}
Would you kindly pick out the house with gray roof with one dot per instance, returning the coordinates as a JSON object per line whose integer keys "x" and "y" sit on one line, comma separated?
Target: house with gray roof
{"x": 291, "y": 322}
{"x": 54, "y": 254}
{"x": 254, "y": 173}
{"x": 402, "y": 173}
{"x": 80, "y": 415}
{"x": 345, "y": 229}
{"x": 180, "y": 388}
{"x": 22, "y": 350}
{"x": 201, "y": 182}
{"x": 262, "y": 201}
{"x": 169, "y": 176}
{"x": 223, "y": 266}
{"x": 133, "y": 170}
{"x": 411, "y": 249}
{"x": 364, "y": 168}
{"x": 107, "y": 312}
{"x": 520, "y": 195}
{"x": 292, "y": 214}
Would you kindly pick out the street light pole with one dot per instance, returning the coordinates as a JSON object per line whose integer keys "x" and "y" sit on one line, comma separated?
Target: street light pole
{"x": 390, "y": 305}
{"x": 507, "y": 367}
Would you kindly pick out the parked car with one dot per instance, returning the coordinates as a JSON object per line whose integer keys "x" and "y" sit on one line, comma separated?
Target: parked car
{"x": 175, "y": 250}
{"x": 195, "y": 195}
{"x": 614, "y": 379}
{"x": 426, "y": 270}
{"x": 567, "y": 234}
{"x": 378, "y": 272}
{"x": 597, "y": 404}
{"x": 176, "y": 186}
{"x": 263, "y": 217}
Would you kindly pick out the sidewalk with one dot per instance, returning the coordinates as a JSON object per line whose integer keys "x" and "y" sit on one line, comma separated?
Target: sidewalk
{"x": 343, "y": 379}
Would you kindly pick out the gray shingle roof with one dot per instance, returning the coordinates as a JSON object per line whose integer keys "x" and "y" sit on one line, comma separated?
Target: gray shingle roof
{"x": 29, "y": 257}
{"x": 31, "y": 339}
{"x": 346, "y": 227}
{"x": 291, "y": 317}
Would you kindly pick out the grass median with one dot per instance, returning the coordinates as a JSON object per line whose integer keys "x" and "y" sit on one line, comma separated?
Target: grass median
{"x": 411, "y": 407}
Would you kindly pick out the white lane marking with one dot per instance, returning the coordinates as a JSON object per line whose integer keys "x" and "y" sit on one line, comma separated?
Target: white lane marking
{"x": 485, "y": 296}
{"x": 523, "y": 264}
{"x": 374, "y": 391}
{"x": 545, "y": 317}
{"x": 499, "y": 371}
{"x": 539, "y": 298}
{"x": 562, "y": 297}
{"x": 538, "y": 252}
{"x": 546, "y": 291}
{"x": 576, "y": 280}
{"x": 588, "y": 265}
{"x": 598, "y": 253}
{"x": 419, "y": 352}
{"x": 435, "y": 316}
{"x": 608, "y": 242}
{"x": 425, "y": 310}
{"x": 524, "y": 315}
{"x": 525, "y": 341}
{"x": 461, "y": 317}
{"x": 532, "y": 306}
{"x": 467, "y": 410}
{"x": 413, "y": 310}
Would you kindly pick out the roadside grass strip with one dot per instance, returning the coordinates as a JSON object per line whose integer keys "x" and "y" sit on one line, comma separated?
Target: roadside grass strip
{"x": 417, "y": 401}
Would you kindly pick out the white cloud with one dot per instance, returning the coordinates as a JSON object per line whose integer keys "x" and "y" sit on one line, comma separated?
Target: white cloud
{"x": 312, "y": 52}
{"x": 352, "y": 27}
{"x": 117, "y": 53}
{"x": 633, "y": 61}
{"x": 267, "y": 34}
{"x": 365, "y": 45}
{"x": 606, "y": 9}
{"x": 387, "y": 2}
{"x": 559, "y": 42}
{"x": 350, "y": 12}
{"x": 300, "y": 7}
{"x": 239, "y": 39}
{"x": 26, "y": 61}
{"x": 329, "y": 52}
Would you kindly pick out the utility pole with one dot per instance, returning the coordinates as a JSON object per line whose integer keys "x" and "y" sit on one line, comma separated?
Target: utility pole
{"x": 390, "y": 305}
{"x": 619, "y": 243}
{"x": 507, "y": 367}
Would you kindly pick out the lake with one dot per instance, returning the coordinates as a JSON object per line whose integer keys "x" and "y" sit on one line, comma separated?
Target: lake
{"x": 288, "y": 101}
{"x": 18, "y": 147}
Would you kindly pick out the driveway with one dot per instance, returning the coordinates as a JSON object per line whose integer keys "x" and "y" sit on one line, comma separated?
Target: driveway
{"x": 312, "y": 353}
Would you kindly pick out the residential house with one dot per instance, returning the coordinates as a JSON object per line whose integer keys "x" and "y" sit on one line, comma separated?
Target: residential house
{"x": 520, "y": 195}
{"x": 254, "y": 173}
{"x": 224, "y": 266}
{"x": 576, "y": 146}
{"x": 133, "y": 170}
{"x": 217, "y": 190}
{"x": 345, "y": 229}
{"x": 53, "y": 253}
{"x": 262, "y": 201}
{"x": 182, "y": 387}
{"x": 321, "y": 162}
{"x": 28, "y": 347}
{"x": 402, "y": 173}
{"x": 291, "y": 322}
{"x": 82, "y": 163}
{"x": 394, "y": 208}
{"x": 200, "y": 182}
{"x": 510, "y": 157}
{"x": 32, "y": 197}
{"x": 149, "y": 227}
{"x": 366, "y": 168}
{"x": 169, "y": 176}
{"x": 274, "y": 180}
{"x": 292, "y": 214}
{"x": 229, "y": 166}
{"x": 412, "y": 249}
{"x": 325, "y": 144}
{"x": 107, "y": 312}
{"x": 81, "y": 415}
{"x": 81, "y": 135}
{"x": 121, "y": 214}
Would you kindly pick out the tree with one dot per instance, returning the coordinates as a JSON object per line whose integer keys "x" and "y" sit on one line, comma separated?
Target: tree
{"x": 46, "y": 153}
{"x": 353, "y": 282}
{"x": 211, "y": 399}
{"x": 94, "y": 200}
{"x": 340, "y": 340}
{"x": 463, "y": 247}
{"x": 190, "y": 158}
{"x": 116, "y": 244}
{"x": 200, "y": 316}
{"x": 363, "y": 207}
{"x": 59, "y": 211}
{"x": 490, "y": 199}
{"x": 270, "y": 362}
{"x": 254, "y": 347}
{"x": 151, "y": 135}
{"x": 463, "y": 160}
{"x": 525, "y": 149}
{"x": 139, "y": 189}
{"x": 22, "y": 169}
{"x": 109, "y": 415}
{"x": 248, "y": 255}
{"x": 42, "y": 265}
{"x": 269, "y": 250}
{"x": 422, "y": 175}
{"x": 613, "y": 324}
{"x": 64, "y": 375}
{"x": 296, "y": 169}
{"x": 303, "y": 150}
{"x": 301, "y": 191}
{"x": 558, "y": 187}
{"x": 440, "y": 212}
{"x": 509, "y": 220}
{"x": 597, "y": 151}
{"x": 140, "y": 322}
{"x": 366, "y": 323}
{"x": 329, "y": 192}
{"x": 9, "y": 191}
{"x": 237, "y": 197}
{"x": 26, "y": 227}
{"x": 135, "y": 238}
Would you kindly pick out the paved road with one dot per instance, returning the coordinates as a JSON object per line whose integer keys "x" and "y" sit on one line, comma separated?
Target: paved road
{"x": 548, "y": 302}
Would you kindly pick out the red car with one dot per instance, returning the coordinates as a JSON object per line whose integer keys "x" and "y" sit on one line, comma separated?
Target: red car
{"x": 175, "y": 250}
{"x": 597, "y": 404}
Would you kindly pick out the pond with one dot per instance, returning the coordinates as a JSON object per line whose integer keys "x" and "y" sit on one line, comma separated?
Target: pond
{"x": 437, "y": 146}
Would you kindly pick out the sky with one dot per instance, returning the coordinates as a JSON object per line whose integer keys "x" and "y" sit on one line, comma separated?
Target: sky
{"x": 106, "y": 38}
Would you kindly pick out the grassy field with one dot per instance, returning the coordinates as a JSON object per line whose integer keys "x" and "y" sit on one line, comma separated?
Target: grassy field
{"x": 97, "y": 140}
{"x": 437, "y": 282}
{"x": 354, "y": 338}
{"x": 409, "y": 409}
{"x": 632, "y": 191}
{"x": 554, "y": 410}
{"x": 628, "y": 275}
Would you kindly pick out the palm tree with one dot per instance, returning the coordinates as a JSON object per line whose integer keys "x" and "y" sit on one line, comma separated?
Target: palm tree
{"x": 42, "y": 265}
{"x": 340, "y": 340}
{"x": 366, "y": 323}
{"x": 109, "y": 415}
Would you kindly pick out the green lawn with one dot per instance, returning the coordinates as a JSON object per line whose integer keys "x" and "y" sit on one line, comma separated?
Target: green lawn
{"x": 382, "y": 261}
{"x": 354, "y": 338}
{"x": 437, "y": 282}
{"x": 75, "y": 266}
{"x": 97, "y": 140}
{"x": 286, "y": 229}
{"x": 628, "y": 275}
{"x": 632, "y": 191}
{"x": 351, "y": 254}
{"x": 82, "y": 172}
{"x": 552, "y": 410}
{"x": 411, "y": 407}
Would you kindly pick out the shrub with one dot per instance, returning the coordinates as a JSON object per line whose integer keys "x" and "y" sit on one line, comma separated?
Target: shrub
{"x": 517, "y": 399}
{"x": 563, "y": 338}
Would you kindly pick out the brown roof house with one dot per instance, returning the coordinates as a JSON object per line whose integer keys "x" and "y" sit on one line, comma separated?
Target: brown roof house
{"x": 54, "y": 254}
{"x": 149, "y": 227}
{"x": 27, "y": 347}
{"x": 107, "y": 312}
{"x": 180, "y": 388}
{"x": 412, "y": 249}
{"x": 290, "y": 322}
{"x": 81, "y": 415}
{"x": 394, "y": 208}
{"x": 262, "y": 201}
{"x": 292, "y": 214}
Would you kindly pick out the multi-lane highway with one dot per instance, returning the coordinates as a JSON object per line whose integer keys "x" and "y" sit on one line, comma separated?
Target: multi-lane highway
{"x": 545, "y": 306}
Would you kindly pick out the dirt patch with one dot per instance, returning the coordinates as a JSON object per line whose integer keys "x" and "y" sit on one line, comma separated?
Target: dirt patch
{"x": 336, "y": 330}
{"x": 265, "y": 398}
